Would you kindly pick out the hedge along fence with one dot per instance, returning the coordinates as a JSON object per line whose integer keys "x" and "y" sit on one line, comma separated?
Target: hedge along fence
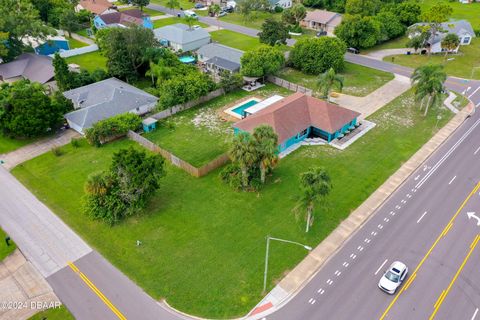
{"x": 180, "y": 107}
{"x": 289, "y": 85}
{"x": 112, "y": 128}
{"x": 176, "y": 161}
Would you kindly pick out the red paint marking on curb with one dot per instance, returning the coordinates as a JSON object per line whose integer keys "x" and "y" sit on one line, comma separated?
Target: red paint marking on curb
{"x": 261, "y": 308}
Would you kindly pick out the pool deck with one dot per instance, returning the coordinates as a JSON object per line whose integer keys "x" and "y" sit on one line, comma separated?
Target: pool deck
{"x": 228, "y": 110}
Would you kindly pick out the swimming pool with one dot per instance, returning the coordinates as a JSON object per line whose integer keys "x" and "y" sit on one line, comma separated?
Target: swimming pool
{"x": 187, "y": 59}
{"x": 237, "y": 110}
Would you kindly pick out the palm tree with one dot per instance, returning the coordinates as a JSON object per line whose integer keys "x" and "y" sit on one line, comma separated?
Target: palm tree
{"x": 450, "y": 43}
{"x": 428, "y": 83}
{"x": 266, "y": 146}
{"x": 172, "y": 4}
{"x": 190, "y": 21}
{"x": 159, "y": 71}
{"x": 96, "y": 184}
{"x": 327, "y": 81}
{"x": 215, "y": 9}
{"x": 316, "y": 185}
{"x": 244, "y": 153}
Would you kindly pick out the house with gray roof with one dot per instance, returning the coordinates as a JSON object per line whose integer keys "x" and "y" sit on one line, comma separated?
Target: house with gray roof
{"x": 35, "y": 68}
{"x": 105, "y": 99}
{"x": 216, "y": 57}
{"x": 462, "y": 28}
{"x": 179, "y": 36}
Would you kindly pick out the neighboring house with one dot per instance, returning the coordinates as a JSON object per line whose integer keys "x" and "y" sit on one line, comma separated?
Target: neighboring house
{"x": 299, "y": 116}
{"x": 95, "y": 6}
{"x": 47, "y": 46}
{"x": 280, "y": 3}
{"x": 217, "y": 57}
{"x": 180, "y": 37}
{"x": 123, "y": 19}
{"x": 462, "y": 28}
{"x": 28, "y": 66}
{"x": 322, "y": 20}
{"x": 105, "y": 99}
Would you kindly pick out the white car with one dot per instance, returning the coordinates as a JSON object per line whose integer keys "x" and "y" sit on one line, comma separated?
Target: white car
{"x": 190, "y": 13}
{"x": 393, "y": 277}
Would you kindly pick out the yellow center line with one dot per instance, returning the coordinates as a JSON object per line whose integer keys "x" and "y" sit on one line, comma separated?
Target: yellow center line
{"x": 410, "y": 280}
{"x": 96, "y": 291}
{"x": 445, "y": 292}
{"x": 448, "y": 226}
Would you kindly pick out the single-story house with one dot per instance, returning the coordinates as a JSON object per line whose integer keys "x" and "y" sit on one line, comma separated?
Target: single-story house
{"x": 299, "y": 116}
{"x": 285, "y": 4}
{"x": 123, "y": 19}
{"x": 217, "y": 57}
{"x": 179, "y": 36}
{"x": 47, "y": 46}
{"x": 105, "y": 99}
{"x": 28, "y": 66}
{"x": 95, "y": 6}
{"x": 462, "y": 28}
{"x": 322, "y": 20}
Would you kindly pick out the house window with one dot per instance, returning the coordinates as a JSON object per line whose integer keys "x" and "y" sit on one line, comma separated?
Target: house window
{"x": 466, "y": 40}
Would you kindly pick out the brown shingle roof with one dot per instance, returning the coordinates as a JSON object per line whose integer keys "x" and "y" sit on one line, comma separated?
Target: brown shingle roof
{"x": 320, "y": 16}
{"x": 296, "y": 113}
{"x": 95, "y": 6}
{"x": 132, "y": 16}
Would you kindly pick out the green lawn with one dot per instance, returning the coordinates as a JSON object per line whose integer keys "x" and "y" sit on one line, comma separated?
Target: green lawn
{"x": 254, "y": 21}
{"x": 89, "y": 61}
{"x": 82, "y": 32}
{"x": 358, "y": 80}
{"x": 199, "y": 135}
{"x": 235, "y": 40}
{"x": 150, "y": 12}
{"x": 461, "y": 64}
{"x": 4, "y": 249}
{"x": 185, "y": 4}
{"x": 168, "y": 21}
{"x": 76, "y": 44}
{"x": 10, "y": 144}
{"x": 397, "y": 43}
{"x": 469, "y": 12}
{"x": 203, "y": 244}
{"x": 60, "y": 313}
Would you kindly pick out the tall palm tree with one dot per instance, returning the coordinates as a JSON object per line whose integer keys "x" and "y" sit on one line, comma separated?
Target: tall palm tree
{"x": 266, "y": 141}
{"x": 172, "y": 4}
{"x": 328, "y": 80}
{"x": 316, "y": 185}
{"x": 215, "y": 9}
{"x": 428, "y": 84}
{"x": 244, "y": 153}
{"x": 190, "y": 21}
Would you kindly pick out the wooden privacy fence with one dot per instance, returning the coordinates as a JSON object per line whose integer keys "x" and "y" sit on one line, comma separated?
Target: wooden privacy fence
{"x": 176, "y": 161}
{"x": 289, "y": 85}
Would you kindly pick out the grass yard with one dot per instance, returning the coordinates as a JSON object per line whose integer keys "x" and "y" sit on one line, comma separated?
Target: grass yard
{"x": 150, "y": 12}
{"x": 199, "y": 135}
{"x": 60, "y": 313}
{"x": 461, "y": 65}
{"x": 397, "y": 43}
{"x": 10, "y": 144}
{"x": 168, "y": 21}
{"x": 203, "y": 244}
{"x": 469, "y": 12}
{"x": 185, "y": 4}
{"x": 254, "y": 21}
{"x": 235, "y": 39}
{"x": 358, "y": 80}
{"x": 74, "y": 43}
{"x": 4, "y": 249}
{"x": 89, "y": 61}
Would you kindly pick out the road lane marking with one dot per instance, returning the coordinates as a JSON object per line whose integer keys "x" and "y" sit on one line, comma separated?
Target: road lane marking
{"x": 423, "y": 215}
{"x": 398, "y": 207}
{"x": 476, "y": 151}
{"x": 409, "y": 281}
{"x": 403, "y": 201}
{"x": 441, "y": 298}
{"x": 447, "y": 154}
{"x": 379, "y": 268}
{"x": 474, "y": 314}
{"x": 452, "y": 180}
{"x": 380, "y": 226}
{"x": 449, "y": 226}
{"x": 386, "y": 219}
{"x": 425, "y": 257}
{"x": 473, "y": 92}
{"x": 96, "y": 291}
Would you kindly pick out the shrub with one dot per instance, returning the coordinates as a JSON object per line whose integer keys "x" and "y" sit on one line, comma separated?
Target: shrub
{"x": 232, "y": 176}
{"x": 316, "y": 55}
{"x": 278, "y": 9}
{"x": 75, "y": 143}
{"x": 105, "y": 130}
{"x": 57, "y": 152}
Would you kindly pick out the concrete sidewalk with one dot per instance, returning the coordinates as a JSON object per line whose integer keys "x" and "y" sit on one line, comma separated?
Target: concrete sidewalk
{"x": 306, "y": 269}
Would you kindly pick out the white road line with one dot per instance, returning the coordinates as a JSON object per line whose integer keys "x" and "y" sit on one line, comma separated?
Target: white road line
{"x": 475, "y": 314}
{"x": 452, "y": 180}
{"x": 313, "y": 302}
{"x": 374, "y": 233}
{"x": 473, "y": 92}
{"x": 346, "y": 264}
{"x": 476, "y": 151}
{"x": 398, "y": 207}
{"x": 416, "y": 178}
{"x": 403, "y": 201}
{"x": 386, "y": 219}
{"x": 353, "y": 256}
{"x": 380, "y": 226}
{"x": 310, "y": 301}
{"x": 392, "y": 213}
{"x": 447, "y": 154}
{"x": 423, "y": 215}
{"x": 380, "y": 268}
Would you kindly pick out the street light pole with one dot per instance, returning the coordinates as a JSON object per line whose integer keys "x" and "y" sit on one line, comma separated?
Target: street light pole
{"x": 267, "y": 252}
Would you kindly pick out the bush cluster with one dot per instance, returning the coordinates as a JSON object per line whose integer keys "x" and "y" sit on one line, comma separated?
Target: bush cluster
{"x": 119, "y": 125}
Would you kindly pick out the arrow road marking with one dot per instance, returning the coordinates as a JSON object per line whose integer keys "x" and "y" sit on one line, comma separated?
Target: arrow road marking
{"x": 472, "y": 215}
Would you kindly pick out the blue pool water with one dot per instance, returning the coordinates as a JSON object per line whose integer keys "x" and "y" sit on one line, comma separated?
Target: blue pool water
{"x": 239, "y": 110}
{"x": 187, "y": 59}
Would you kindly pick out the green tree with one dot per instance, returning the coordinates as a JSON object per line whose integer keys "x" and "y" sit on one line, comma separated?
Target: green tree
{"x": 69, "y": 21}
{"x": 316, "y": 55}
{"x": 435, "y": 16}
{"x": 140, "y": 3}
{"x": 172, "y": 4}
{"x": 390, "y": 26}
{"x": 416, "y": 42}
{"x": 329, "y": 80}
{"x": 362, "y": 7}
{"x": 428, "y": 83}
{"x": 450, "y": 43}
{"x": 408, "y": 12}
{"x": 266, "y": 145}
{"x": 230, "y": 81}
{"x": 3, "y": 46}
{"x": 359, "y": 32}
{"x": 243, "y": 152}
{"x": 63, "y": 75}
{"x": 189, "y": 20}
{"x": 274, "y": 32}
{"x": 315, "y": 185}
{"x": 295, "y": 14}
{"x": 262, "y": 61}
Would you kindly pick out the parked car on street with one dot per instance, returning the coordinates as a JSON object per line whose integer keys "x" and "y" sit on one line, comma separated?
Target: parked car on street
{"x": 321, "y": 33}
{"x": 190, "y": 13}
{"x": 222, "y": 14}
{"x": 353, "y": 50}
{"x": 199, "y": 5}
{"x": 393, "y": 277}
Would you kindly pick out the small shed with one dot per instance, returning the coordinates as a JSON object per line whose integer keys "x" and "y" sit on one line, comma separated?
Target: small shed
{"x": 149, "y": 124}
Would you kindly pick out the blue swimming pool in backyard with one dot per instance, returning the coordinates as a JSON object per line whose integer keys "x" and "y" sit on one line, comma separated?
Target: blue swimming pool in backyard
{"x": 239, "y": 110}
{"x": 187, "y": 59}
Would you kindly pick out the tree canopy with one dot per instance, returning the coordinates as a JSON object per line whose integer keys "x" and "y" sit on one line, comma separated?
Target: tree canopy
{"x": 262, "y": 61}
{"x": 358, "y": 31}
{"x": 274, "y": 32}
{"x": 316, "y": 55}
